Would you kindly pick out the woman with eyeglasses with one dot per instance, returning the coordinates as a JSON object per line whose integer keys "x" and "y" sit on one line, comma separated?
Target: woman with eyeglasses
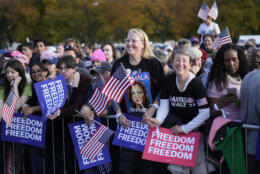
{"x": 14, "y": 79}
{"x": 38, "y": 73}
{"x": 183, "y": 107}
{"x": 140, "y": 62}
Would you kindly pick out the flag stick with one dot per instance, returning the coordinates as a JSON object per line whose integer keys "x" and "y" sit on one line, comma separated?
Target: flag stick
{"x": 139, "y": 98}
{"x": 89, "y": 118}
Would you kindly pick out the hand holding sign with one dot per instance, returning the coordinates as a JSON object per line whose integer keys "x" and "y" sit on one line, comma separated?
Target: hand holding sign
{"x": 167, "y": 148}
{"x": 153, "y": 122}
{"x": 176, "y": 130}
{"x": 53, "y": 116}
{"x": 52, "y": 95}
{"x": 123, "y": 121}
{"x": 148, "y": 114}
{"x": 87, "y": 114}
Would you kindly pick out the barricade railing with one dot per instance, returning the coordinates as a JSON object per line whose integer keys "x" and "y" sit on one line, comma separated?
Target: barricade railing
{"x": 4, "y": 148}
{"x": 246, "y": 127}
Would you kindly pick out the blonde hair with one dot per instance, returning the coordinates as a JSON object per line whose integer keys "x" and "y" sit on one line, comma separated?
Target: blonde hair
{"x": 147, "y": 50}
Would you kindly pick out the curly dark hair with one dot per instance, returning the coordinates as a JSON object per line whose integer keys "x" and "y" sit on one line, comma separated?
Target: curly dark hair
{"x": 218, "y": 73}
{"x": 17, "y": 66}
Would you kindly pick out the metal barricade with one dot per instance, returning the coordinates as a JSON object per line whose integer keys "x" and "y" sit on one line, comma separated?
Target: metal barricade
{"x": 245, "y": 127}
{"x": 4, "y": 148}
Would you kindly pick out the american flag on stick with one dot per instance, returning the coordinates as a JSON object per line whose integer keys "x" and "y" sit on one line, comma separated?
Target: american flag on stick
{"x": 222, "y": 39}
{"x": 213, "y": 13}
{"x": 117, "y": 84}
{"x": 9, "y": 108}
{"x": 99, "y": 101}
{"x": 96, "y": 142}
{"x": 203, "y": 12}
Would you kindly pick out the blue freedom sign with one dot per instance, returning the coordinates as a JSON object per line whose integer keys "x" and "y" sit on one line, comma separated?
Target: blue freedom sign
{"x": 30, "y": 130}
{"x": 81, "y": 133}
{"x": 51, "y": 94}
{"x": 134, "y": 137}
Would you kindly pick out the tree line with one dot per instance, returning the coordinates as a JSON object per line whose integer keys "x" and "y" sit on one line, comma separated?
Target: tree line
{"x": 109, "y": 20}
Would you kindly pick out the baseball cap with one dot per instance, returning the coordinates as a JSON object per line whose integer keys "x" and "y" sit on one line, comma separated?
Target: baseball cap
{"x": 194, "y": 39}
{"x": 105, "y": 66}
{"x": 160, "y": 54}
{"x": 50, "y": 56}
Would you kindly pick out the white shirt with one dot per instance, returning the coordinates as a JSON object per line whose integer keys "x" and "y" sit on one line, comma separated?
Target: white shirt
{"x": 205, "y": 29}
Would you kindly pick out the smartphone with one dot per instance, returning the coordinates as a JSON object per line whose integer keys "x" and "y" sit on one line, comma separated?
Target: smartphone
{"x": 232, "y": 90}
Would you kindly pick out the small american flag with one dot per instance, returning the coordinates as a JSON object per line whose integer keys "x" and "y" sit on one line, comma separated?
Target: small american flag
{"x": 98, "y": 100}
{"x": 214, "y": 11}
{"x": 203, "y": 12}
{"x": 96, "y": 142}
{"x": 202, "y": 101}
{"x": 117, "y": 85}
{"x": 222, "y": 39}
{"x": 9, "y": 108}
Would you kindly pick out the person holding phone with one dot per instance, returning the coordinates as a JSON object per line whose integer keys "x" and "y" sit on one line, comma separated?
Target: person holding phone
{"x": 14, "y": 79}
{"x": 229, "y": 68}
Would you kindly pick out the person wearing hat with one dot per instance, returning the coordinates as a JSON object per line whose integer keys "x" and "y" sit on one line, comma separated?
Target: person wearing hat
{"x": 195, "y": 42}
{"x": 163, "y": 59}
{"x": 22, "y": 58}
{"x": 196, "y": 65}
{"x": 97, "y": 57}
{"x": 169, "y": 51}
{"x": 50, "y": 60}
{"x": 104, "y": 69}
{"x": 25, "y": 62}
{"x": 184, "y": 43}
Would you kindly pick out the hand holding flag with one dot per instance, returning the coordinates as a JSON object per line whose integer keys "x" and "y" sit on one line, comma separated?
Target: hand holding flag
{"x": 9, "y": 108}
{"x": 96, "y": 142}
{"x": 99, "y": 101}
{"x": 117, "y": 84}
{"x": 222, "y": 39}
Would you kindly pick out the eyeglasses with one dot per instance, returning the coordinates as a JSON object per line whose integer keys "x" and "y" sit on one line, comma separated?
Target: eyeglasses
{"x": 131, "y": 40}
{"x": 66, "y": 68}
{"x": 69, "y": 47}
{"x": 181, "y": 43}
{"x": 38, "y": 71}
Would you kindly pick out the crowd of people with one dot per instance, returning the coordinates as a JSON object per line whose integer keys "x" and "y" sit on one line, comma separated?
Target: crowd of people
{"x": 184, "y": 87}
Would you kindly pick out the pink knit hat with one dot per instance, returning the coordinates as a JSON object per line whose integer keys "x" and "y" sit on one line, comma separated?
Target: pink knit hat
{"x": 48, "y": 54}
{"x": 21, "y": 57}
{"x": 15, "y": 53}
{"x": 98, "y": 55}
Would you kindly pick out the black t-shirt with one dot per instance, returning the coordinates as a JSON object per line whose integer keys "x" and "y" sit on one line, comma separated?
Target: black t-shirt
{"x": 184, "y": 104}
{"x": 147, "y": 74}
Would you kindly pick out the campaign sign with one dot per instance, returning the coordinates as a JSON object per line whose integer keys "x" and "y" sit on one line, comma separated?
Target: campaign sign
{"x": 81, "y": 133}
{"x": 51, "y": 94}
{"x": 163, "y": 147}
{"x": 30, "y": 130}
{"x": 134, "y": 137}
